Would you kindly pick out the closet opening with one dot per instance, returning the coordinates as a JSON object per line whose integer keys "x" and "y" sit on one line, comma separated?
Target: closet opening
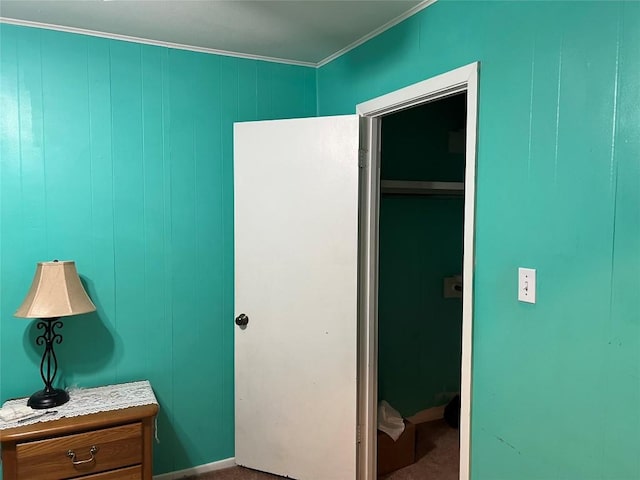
{"x": 421, "y": 231}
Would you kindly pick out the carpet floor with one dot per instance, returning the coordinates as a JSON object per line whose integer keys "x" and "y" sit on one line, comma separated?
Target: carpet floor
{"x": 437, "y": 454}
{"x": 437, "y": 457}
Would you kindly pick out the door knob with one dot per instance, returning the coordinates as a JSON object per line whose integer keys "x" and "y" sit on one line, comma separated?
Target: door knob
{"x": 242, "y": 320}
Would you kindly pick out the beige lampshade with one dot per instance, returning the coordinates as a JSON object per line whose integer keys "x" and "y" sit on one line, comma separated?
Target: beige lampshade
{"x": 56, "y": 291}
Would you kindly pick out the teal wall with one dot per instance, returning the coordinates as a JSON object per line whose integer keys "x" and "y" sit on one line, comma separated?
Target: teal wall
{"x": 556, "y": 385}
{"x": 119, "y": 156}
{"x": 420, "y": 331}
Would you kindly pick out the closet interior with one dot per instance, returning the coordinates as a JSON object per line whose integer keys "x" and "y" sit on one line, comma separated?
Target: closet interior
{"x": 421, "y": 229}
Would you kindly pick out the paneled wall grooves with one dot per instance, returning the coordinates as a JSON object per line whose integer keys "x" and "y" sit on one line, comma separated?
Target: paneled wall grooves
{"x": 531, "y": 89}
{"x": 230, "y": 113}
{"x": 90, "y": 158}
{"x": 558, "y": 103}
{"x": 113, "y": 202}
{"x": 143, "y": 160}
{"x": 169, "y": 399}
{"x": 546, "y": 198}
{"x": 137, "y": 142}
{"x": 613, "y": 164}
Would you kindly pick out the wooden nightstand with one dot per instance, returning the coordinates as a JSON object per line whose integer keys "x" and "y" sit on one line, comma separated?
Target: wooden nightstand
{"x": 111, "y": 445}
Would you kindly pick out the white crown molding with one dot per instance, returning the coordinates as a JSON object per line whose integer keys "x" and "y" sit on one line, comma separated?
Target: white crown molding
{"x": 158, "y": 43}
{"x": 178, "y": 46}
{"x": 392, "y": 23}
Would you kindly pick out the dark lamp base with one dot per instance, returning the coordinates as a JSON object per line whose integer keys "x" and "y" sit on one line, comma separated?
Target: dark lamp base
{"x": 43, "y": 399}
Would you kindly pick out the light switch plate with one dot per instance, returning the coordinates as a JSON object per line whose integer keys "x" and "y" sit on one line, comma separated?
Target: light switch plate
{"x": 527, "y": 285}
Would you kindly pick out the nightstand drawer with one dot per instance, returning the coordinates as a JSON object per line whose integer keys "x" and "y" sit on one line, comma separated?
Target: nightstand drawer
{"x": 130, "y": 473}
{"x": 50, "y": 459}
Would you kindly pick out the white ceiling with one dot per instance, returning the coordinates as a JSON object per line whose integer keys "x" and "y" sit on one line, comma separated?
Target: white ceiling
{"x": 301, "y": 31}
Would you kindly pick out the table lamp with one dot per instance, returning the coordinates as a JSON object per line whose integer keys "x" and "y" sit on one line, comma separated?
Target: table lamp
{"x": 56, "y": 292}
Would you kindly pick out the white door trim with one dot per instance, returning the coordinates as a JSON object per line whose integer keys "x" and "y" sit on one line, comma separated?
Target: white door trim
{"x": 458, "y": 80}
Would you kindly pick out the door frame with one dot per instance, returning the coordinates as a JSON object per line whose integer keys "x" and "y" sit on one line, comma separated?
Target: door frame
{"x": 463, "y": 79}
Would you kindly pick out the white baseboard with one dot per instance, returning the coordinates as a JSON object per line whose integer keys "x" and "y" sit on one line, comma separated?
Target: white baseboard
{"x": 209, "y": 467}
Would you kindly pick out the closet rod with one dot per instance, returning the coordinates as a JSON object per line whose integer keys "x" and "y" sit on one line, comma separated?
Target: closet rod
{"x": 403, "y": 187}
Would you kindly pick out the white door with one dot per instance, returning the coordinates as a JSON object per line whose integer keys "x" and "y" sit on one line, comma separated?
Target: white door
{"x": 296, "y": 248}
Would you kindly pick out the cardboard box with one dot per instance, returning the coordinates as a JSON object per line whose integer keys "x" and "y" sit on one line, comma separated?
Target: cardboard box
{"x": 394, "y": 455}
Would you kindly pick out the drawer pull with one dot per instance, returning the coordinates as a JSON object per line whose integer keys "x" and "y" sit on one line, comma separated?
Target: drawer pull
{"x": 72, "y": 455}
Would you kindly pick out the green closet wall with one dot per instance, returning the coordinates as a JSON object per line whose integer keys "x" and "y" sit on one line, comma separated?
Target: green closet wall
{"x": 556, "y": 385}
{"x": 420, "y": 331}
{"x": 119, "y": 156}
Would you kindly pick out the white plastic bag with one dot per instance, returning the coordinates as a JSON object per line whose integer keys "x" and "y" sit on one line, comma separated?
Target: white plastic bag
{"x": 389, "y": 420}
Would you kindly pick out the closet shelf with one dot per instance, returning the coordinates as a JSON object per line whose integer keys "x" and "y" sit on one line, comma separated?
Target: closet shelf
{"x": 402, "y": 187}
